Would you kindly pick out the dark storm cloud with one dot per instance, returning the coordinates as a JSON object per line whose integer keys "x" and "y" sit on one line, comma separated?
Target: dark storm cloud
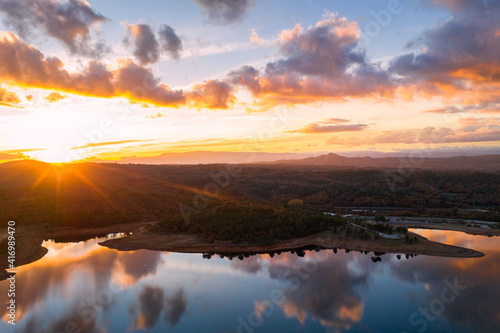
{"x": 70, "y": 22}
{"x": 225, "y": 11}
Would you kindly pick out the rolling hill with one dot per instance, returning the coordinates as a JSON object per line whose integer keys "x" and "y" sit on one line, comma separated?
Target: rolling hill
{"x": 485, "y": 163}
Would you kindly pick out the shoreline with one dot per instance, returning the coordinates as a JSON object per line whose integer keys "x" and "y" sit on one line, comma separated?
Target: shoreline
{"x": 29, "y": 241}
{"x": 189, "y": 243}
{"x": 32, "y": 238}
{"x": 449, "y": 227}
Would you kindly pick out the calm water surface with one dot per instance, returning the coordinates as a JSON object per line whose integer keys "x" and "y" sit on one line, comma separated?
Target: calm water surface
{"x": 83, "y": 287}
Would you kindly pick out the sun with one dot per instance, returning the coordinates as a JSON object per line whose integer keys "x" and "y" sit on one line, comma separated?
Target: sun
{"x": 50, "y": 134}
{"x": 55, "y": 154}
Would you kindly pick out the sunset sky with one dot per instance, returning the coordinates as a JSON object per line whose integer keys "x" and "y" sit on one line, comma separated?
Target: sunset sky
{"x": 112, "y": 79}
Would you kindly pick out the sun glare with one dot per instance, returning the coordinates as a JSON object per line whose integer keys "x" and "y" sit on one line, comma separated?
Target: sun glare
{"x": 55, "y": 154}
{"x": 51, "y": 134}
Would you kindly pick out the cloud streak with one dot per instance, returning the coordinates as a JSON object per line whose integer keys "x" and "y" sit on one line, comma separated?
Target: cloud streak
{"x": 475, "y": 130}
{"x": 109, "y": 143}
{"x": 332, "y": 125}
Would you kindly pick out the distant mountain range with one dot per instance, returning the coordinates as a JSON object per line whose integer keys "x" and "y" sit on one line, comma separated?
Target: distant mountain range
{"x": 488, "y": 163}
{"x": 211, "y": 157}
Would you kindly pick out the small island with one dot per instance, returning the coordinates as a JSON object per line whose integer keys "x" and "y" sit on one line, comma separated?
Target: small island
{"x": 232, "y": 229}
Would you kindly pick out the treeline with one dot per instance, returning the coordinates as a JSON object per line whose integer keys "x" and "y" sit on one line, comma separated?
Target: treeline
{"x": 444, "y": 194}
{"x": 91, "y": 195}
{"x": 385, "y": 228}
{"x": 251, "y": 222}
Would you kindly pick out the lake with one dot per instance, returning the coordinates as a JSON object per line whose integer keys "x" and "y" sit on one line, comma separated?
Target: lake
{"x": 84, "y": 287}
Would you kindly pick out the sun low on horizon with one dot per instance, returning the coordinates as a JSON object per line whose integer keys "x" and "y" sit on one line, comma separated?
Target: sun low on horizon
{"x": 96, "y": 81}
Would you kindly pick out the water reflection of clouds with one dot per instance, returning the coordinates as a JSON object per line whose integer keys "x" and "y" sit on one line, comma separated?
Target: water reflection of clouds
{"x": 152, "y": 302}
{"x": 477, "y": 308}
{"x": 69, "y": 322}
{"x": 73, "y": 271}
{"x": 320, "y": 288}
{"x": 175, "y": 307}
{"x": 318, "y": 285}
{"x": 131, "y": 267}
{"x": 250, "y": 265}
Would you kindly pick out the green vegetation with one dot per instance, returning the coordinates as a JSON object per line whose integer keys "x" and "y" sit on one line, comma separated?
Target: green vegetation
{"x": 410, "y": 240}
{"x": 242, "y": 202}
{"x": 250, "y": 222}
{"x": 385, "y": 228}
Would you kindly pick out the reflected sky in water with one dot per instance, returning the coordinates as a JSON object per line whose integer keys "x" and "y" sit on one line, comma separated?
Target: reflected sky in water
{"x": 84, "y": 287}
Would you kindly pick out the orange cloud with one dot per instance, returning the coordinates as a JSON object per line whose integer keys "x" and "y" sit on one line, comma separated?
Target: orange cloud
{"x": 470, "y": 121}
{"x": 325, "y": 63}
{"x": 109, "y": 143}
{"x": 444, "y": 110}
{"x": 322, "y": 63}
{"x": 54, "y": 97}
{"x": 212, "y": 94}
{"x": 478, "y": 130}
{"x": 332, "y": 125}
{"x": 155, "y": 116}
{"x": 26, "y": 66}
{"x": 8, "y": 98}
{"x": 254, "y": 37}
{"x": 459, "y": 58}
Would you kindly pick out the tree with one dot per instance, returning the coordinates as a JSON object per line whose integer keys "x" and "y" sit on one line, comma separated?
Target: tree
{"x": 295, "y": 203}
